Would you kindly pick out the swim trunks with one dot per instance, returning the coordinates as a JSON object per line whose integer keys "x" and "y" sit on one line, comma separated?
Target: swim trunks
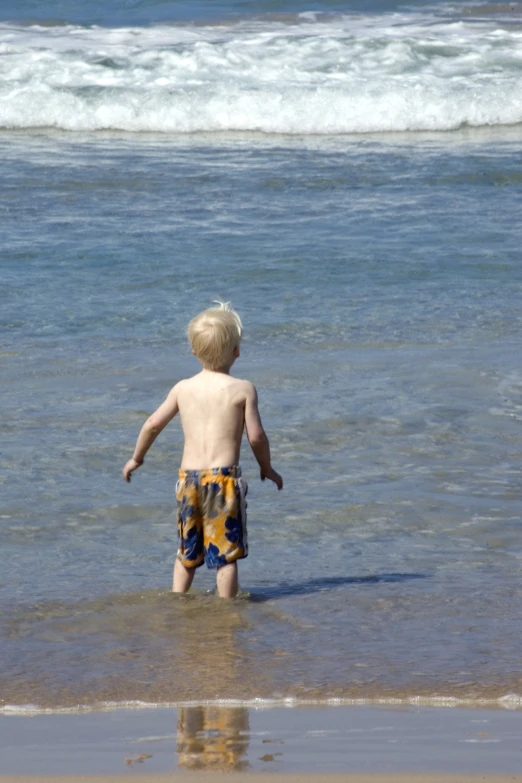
{"x": 211, "y": 517}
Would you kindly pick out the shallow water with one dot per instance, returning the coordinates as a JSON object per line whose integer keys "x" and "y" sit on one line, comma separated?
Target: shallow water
{"x": 379, "y": 280}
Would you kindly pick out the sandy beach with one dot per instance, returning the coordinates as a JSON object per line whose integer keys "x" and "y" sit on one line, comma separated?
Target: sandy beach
{"x": 299, "y": 743}
{"x": 277, "y": 778}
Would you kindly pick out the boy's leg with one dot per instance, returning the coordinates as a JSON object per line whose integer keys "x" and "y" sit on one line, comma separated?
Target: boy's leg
{"x": 226, "y": 581}
{"x": 183, "y": 577}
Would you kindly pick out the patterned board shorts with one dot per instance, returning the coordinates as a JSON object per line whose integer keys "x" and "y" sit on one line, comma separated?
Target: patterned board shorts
{"x": 211, "y": 517}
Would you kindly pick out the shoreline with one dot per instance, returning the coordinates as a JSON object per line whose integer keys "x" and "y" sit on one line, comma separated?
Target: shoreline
{"x": 302, "y": 743}
{"x": 510, "y": 702}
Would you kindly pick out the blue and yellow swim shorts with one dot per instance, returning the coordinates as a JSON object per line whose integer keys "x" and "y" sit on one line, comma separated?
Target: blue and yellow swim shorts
{"x": 211, "y": 517}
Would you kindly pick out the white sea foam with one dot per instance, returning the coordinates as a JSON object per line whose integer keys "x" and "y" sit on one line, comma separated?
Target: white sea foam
{"x": 512, "y": 701}
{"x": 313, "y": 76}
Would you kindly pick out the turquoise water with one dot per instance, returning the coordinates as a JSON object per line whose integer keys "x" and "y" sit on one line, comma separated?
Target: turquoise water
{"x": 378, "y": 277}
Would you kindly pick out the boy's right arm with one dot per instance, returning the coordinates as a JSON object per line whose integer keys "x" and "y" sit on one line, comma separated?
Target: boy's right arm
{"x": 257, "y": 437}
{"x": 150, "y": 431}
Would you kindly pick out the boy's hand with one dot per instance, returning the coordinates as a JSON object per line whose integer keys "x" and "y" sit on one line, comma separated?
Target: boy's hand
{"x": 129, "y": 468}
{"x": 274, "y": 476}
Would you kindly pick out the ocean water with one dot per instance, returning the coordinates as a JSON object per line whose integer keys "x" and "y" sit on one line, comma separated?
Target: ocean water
{"x": 349, "y": 175}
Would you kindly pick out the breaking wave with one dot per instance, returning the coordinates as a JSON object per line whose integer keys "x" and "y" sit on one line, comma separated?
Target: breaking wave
{"x": 311, "y": 75}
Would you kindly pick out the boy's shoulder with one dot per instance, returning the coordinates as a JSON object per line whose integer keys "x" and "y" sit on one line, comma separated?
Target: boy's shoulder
{"x": 241, "y": 385}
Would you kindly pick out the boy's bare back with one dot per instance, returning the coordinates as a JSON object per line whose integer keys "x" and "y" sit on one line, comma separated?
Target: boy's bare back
{"x": 214, "y": 409}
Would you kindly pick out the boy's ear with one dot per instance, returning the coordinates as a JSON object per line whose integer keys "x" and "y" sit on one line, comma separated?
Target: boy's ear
{"x": 236, "y": 352}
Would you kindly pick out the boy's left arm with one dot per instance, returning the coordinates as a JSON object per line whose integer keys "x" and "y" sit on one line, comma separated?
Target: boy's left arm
{"x": 150, "y": 431}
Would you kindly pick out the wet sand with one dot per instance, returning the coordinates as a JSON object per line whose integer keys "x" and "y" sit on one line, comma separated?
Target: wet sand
{"x": 277, "y": 778}
{"x": 299, "y": 743}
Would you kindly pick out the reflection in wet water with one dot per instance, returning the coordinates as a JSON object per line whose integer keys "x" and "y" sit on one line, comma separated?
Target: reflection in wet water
{"x": 212, "y": 737}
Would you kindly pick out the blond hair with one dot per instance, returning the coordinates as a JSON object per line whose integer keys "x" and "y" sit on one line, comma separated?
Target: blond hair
{"x": 213, "y": 335}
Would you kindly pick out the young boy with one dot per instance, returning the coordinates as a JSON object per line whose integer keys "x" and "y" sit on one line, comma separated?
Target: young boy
{"x": 214, "y": 408}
